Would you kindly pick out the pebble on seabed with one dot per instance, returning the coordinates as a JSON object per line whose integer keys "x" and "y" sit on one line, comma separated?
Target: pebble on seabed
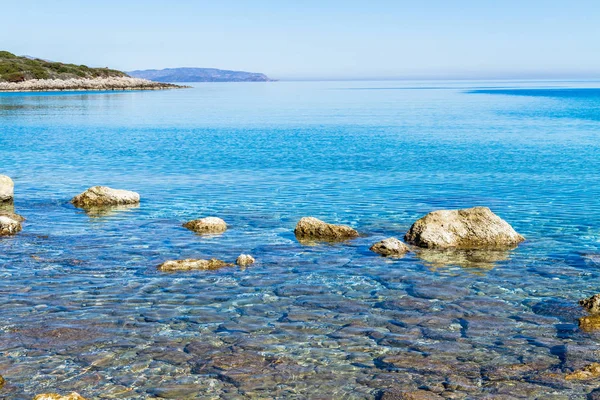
{"x": 54, "y": 396}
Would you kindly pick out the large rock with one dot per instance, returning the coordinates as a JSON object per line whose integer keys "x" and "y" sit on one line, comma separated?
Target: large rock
{"x": 192, "y": 265}
{"x": 9, "y": 226}
{"x": 592, "y": 304}
{"x": 390, "y": 247}
{"x": 7, "y": 188}
{"x": 103, "y": 196}
{"x": 470, "y": 228}
{"x": 54, "y": 396}
{"x": 206, "y": 225}
{"x": 310, "y": 228}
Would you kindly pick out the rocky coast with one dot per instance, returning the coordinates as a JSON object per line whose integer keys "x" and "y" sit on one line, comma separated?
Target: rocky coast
{"x": 82, "y": 84}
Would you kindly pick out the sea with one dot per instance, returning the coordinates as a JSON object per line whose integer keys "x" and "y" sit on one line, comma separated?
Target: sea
{"x": 83, "y": 307}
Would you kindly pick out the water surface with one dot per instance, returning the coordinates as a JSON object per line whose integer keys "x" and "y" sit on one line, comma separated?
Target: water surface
{"x": 84, "y": 308}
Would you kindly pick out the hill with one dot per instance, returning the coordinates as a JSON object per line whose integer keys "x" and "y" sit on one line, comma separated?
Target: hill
{"x": 198, "y": 75}
{"x": 19, "y": 69}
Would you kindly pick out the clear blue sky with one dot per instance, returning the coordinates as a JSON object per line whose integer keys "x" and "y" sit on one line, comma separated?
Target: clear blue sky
{"x": 315, "y": 39}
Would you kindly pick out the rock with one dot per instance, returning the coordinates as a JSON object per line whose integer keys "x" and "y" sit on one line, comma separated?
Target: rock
{"x": 390, "y": 247}
{"x": 590, "y": 323}
{"x": 7, "y": 188}
{"x": 54, "y": 396}
{"x": 245, "y": 259}
{"x": 9, "y": 226}
{"x": 310, "y": 228}
{"x": 12, "y": 215}
{"x": 470, "y": 228}
{"x": 102, "y": 196}
{"x": 207, "y": 225}
{"x": 592, "y": 304}
{"x": 192, "y": 265}
{"x": 586, "y": 373}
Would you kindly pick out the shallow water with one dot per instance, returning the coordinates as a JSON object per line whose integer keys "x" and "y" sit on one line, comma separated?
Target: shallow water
{"x": 84, "y": 308}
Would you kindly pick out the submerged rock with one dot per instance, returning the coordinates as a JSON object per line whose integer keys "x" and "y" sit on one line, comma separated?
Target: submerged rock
{"x": 206, "y": 225}
{"x": 470, "y": 228}
{"x": 103, "y": 196}
{"x": 592, "y": 304}
{"x": 589, "y": 323}
{"x": 54, "y": 396}
{"x": 7, "y": 188}
{"x": 192, "y": 265}
{"x": 390, "y": 247}
{"x": 588, "y": 372}
{"x": 9, "y": 226}
{"x": 310, "y": 228}
{"x": 245, "y": 259}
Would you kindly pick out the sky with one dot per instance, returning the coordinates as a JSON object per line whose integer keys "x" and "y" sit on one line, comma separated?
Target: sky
{"x": 309, "y": 39}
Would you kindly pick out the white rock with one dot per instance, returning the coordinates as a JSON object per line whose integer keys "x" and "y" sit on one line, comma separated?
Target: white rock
{"x": 101, "y": 196}
{"x": 7, "y": 188}
{"x": 245, "y": 259}
{"x": 390, "y": 247}
{"x": 207, "y": 225}
{"x": 9, "y": 226}
{"x": 470, "y": 228}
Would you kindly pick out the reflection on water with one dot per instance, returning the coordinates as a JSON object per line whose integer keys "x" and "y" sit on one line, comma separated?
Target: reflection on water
{"x": 107, "y": 211}
{"x": 479, "y": 259}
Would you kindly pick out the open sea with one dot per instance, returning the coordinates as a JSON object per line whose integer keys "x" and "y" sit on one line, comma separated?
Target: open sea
{"x": 83, "y": 307}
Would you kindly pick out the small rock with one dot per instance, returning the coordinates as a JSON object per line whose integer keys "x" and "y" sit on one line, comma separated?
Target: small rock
{"x": 588, "y": 372}
{"x": 207, "y": 225}
{"x": 192, "y": 265}
{"x": 245, "y": 259}
{"x": 315, "y": 229}
{"x": 390, "y": 247}
{"x": 102, "y": 196}
{"x": 9, "y": 226}
{"x": 7, "y": 188}
{"x": 592, "y": 304}
{"x": 54, "y": 396}
{"x": 470, "y": 228}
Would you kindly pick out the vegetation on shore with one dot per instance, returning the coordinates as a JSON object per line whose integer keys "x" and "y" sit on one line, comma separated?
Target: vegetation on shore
{"x": 19, "y": 69}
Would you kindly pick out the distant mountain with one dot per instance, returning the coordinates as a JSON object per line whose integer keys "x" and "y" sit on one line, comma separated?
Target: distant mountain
{"x": 198, "y": 75}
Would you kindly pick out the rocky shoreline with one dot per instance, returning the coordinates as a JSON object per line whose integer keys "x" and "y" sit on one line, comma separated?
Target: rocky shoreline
{"x": 85, "y": 84}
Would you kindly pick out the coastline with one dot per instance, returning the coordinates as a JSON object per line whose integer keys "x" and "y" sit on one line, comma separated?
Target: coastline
{"x": 83, "y": 84}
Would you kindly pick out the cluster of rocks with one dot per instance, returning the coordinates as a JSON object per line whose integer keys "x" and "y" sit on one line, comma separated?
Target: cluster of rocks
{"x": 466, "y": 229}
{"x": 108, "y": 83}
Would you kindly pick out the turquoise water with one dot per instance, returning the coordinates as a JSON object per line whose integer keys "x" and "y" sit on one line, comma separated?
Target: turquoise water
{"x": 84, "y": 308}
